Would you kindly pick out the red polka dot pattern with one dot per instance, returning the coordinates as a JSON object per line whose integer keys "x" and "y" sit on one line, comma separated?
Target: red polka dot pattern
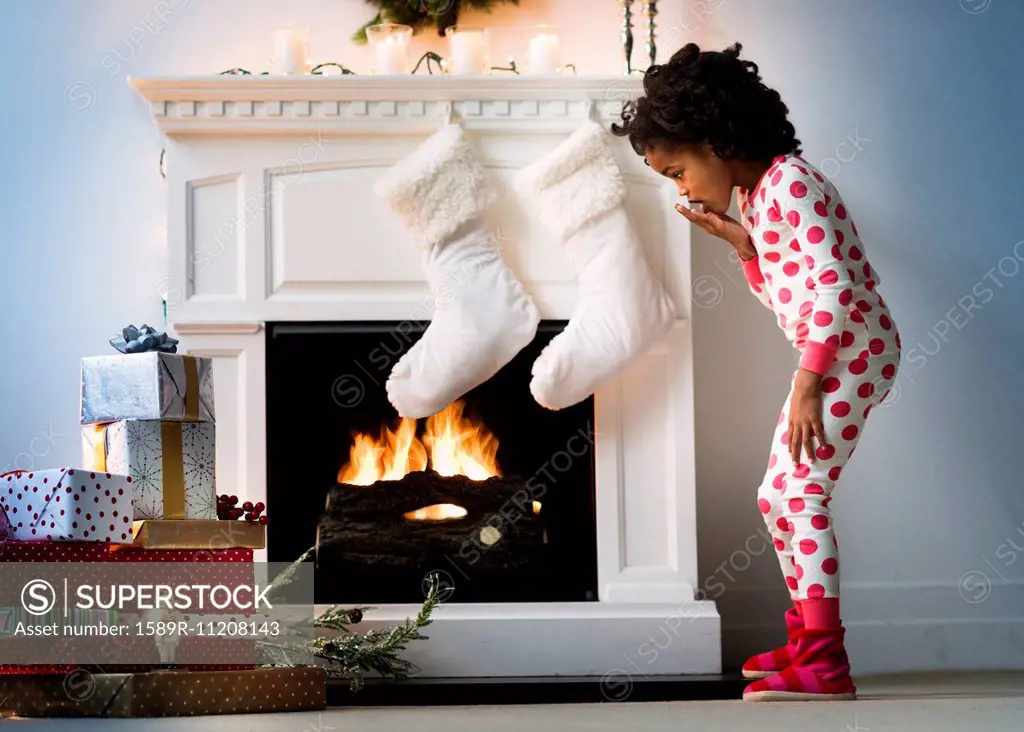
{"x": 801, "y": 207}
{"x": 38, "y": 494}
{"x": 795, "y": 498}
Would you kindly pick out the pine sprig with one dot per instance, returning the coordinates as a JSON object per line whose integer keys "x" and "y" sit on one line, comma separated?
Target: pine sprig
{"x": 350, "y": 655}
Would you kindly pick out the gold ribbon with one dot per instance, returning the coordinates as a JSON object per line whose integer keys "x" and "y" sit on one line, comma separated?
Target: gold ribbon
{"x": 191, "y": 390}
{"x": 99, "y": 448}
{"x": 173, "y": 464}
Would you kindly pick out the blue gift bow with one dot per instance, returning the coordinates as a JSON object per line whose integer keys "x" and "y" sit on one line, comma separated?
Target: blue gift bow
{"x": 142, "y": 340}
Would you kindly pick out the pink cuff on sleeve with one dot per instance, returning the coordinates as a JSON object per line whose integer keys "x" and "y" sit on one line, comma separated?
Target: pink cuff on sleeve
{"x": 818, "y": 357}
{"x": 752, "y": 271}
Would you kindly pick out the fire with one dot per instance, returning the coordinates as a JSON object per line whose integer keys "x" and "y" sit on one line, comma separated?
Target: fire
{"x": 451, "y": 445}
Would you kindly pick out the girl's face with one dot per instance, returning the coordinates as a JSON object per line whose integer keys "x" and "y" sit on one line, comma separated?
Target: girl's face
{"x": 698, "y": 173}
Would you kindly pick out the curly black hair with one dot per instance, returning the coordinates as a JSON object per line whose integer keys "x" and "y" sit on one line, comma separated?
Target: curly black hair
{"x": 710, "y": 97}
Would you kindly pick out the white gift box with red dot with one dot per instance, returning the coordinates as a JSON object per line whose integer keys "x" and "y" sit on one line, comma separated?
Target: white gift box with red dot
{"x": 68, "y": 504}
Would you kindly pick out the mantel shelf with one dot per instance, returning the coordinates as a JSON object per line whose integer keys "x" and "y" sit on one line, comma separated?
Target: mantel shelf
{"x": 230, "y": 104}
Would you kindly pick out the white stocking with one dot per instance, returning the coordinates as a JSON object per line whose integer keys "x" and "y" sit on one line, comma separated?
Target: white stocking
{"x": 483, "y": 317}
{"x": 623, "y": 309}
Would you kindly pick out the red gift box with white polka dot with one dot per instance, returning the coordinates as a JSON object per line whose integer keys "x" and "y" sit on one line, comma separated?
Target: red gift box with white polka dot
{"x": 68, "y": 504}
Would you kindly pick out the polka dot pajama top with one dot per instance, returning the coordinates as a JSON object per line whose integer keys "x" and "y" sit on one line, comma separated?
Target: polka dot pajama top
{"x": 812, "y": 272}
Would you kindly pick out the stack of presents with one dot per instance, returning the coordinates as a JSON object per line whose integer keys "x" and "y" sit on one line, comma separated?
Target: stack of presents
{"x": 145, "y": 492}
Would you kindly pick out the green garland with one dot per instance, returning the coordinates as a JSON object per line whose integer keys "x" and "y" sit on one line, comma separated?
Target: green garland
{"x": 423, "y": 13}
{"x": 348, "y": 655}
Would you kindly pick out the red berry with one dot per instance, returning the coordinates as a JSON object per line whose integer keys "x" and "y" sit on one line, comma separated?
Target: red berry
{"x": 247, "y": 505}
{"x": 233, "y": 500}
{"x": 260, "y": 506}
{"x": 263, "y": 520}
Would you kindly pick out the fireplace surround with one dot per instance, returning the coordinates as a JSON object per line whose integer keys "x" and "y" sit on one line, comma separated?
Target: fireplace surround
{"x": 272, "y": 221}
{"x": 333, "y": 411}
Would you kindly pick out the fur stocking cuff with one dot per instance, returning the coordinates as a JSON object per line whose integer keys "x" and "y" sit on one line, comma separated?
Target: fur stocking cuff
{"x": 438, "y": 188}
{"x": 575, "y": 183}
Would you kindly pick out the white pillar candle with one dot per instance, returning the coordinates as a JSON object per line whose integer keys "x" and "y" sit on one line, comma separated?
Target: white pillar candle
{"x": 291, "y": 50}
{"x": 544, "y": 54}
{"x": 391, "y": 56}
{"x": 468, "y": 52}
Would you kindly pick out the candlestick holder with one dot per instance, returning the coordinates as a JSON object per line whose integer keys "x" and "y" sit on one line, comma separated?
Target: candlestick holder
{"x": 627, "y": 34}
{"x": 649, "y": 10}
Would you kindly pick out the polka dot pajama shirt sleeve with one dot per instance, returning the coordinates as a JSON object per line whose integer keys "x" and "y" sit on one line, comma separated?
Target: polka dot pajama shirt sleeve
{"x": 752, "y": 270}
{"x": 800, "y": 202}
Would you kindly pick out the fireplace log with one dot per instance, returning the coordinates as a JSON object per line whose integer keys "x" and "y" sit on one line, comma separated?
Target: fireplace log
{"x": 367, "y": 524}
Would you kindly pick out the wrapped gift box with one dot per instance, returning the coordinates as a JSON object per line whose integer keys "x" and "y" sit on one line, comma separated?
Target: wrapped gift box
{"x": 53, "y": 551}
{"x": 215, "y": 534}
{"x": 66, "y": 504}
{"x": 134, "y": 554}
{"x": 170, "y": 693}
{"x": 172, "y": 464}
{"x": 153, "y": 385}
{"x": 231, "y": 567}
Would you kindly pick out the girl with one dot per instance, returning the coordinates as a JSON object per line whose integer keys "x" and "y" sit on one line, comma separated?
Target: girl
{"x": 707, "y": 122}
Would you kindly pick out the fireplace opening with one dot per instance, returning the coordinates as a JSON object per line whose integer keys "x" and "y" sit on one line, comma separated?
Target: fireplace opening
{"x": 493, "y": 496}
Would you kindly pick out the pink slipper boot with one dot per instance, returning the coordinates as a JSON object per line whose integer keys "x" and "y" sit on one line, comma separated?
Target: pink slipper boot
{"x": 764, "y": 665}
{"x": 820, "y": 671}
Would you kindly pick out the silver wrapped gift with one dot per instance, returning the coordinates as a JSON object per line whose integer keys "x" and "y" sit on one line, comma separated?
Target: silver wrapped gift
{"x": 151, "y": 385}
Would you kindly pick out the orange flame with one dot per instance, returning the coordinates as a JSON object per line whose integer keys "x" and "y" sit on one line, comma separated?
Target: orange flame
{"x": 451, "y": 445}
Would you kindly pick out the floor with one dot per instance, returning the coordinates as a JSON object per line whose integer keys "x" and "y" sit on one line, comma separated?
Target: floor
{"x": 912, "y": 703}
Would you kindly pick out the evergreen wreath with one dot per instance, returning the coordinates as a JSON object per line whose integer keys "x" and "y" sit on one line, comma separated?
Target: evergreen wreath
{"x": 423, "y": 13}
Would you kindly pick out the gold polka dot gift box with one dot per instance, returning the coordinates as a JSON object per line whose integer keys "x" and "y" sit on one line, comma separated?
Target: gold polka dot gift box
{"x": 164, "y": 693}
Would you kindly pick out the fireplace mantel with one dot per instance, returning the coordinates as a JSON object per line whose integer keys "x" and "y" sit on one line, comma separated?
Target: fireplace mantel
{"x": 271, "y": 218}
{"x": 350, "y": 104}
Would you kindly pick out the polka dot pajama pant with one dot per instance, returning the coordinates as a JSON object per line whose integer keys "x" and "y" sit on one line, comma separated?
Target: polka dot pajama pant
{"x": 794, "y": 499}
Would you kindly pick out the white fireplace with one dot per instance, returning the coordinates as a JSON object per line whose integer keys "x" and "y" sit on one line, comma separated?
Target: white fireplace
{"x": 272, "y": 218}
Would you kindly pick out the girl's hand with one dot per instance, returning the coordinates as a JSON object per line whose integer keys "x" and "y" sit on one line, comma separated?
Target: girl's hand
{"x": 723, "y": 226}
{"x": 805, "y": 416}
